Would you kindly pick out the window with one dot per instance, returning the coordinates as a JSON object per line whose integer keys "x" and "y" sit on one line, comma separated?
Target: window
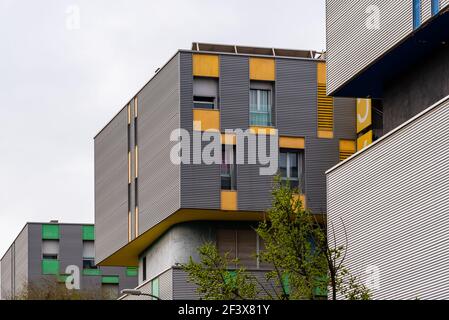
{"x": 238, "y": 243}
{"x": 50, "y": 249}
{"x": 47, "y": 256}
{"x": 260, "y": 107}
{"x": 204, "y": 102}
{"x": 291, "y": 168}
{"x": 144, "y": 269}
{"x": 228, "y": 174}
{"x": 435, "y": 7}
{"x": 205, "y": 93}
{"x": 416, "y": 13}
{"x": 89, "y": 263}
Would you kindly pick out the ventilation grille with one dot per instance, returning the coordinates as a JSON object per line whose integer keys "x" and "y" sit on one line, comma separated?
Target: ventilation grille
{"x": 325, "y": 110}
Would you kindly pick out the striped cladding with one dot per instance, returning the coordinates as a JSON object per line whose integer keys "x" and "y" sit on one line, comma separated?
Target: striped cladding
{"x": 325, "y": 110}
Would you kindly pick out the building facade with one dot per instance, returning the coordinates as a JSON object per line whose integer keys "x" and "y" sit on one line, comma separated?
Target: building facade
{"x": 389, "y": 201}
{"x": 153, "y": 213}
{"x": 45, "y": 253}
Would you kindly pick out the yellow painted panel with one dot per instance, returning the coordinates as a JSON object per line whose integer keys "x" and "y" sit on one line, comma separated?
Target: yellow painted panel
{"x": 263, "y": 130}
{"x": 137, "y": 221}
{"x": 206, "y": 65}
{"x": 206, "y": 120}
{"x": 229, "y": 200}
{"x": 365, "y": 140}
{"x": 325, "y": 134}
{"x": 128, "y": 256}
{"x": 228, "y": 139}
{"x": 321, "y": 73}
{"x": 291, "y": 143}
{"x": 301, "y": 197}
{"x": 262, "y": 69}
{"x": 347, "y": 149}
{"x": 364, "y": 114}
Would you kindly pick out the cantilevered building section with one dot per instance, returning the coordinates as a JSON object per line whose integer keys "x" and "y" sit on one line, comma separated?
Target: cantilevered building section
{"x": 43, "y": 254}
{"x": 154, "y": 214}
{"x": 389, "y": 202}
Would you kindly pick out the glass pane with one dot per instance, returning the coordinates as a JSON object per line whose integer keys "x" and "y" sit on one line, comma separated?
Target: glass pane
{"x": 253, "y": 100}
{"x": 283, "y": 164}
{"x": 293, "y": 162}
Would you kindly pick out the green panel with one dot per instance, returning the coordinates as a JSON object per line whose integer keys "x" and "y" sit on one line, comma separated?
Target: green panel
{"x": 132, "y": 271}
{"x": 50, "y": 267}
{"x": 88, "y": 233}
{"x": 286, "y": 283}
{"x": 92, "y": 272}
{"x": 50, "y": 231}
{"x": 110, "y": 279}
{"x": 155, "y": 287}
{"x": 62, "y": 278}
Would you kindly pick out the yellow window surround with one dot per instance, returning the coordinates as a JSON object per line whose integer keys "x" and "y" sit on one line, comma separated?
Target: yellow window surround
{"x": 347, "y": 149}
{"x": 263, "y": 130}
{"x": 230, "y": 139}
{"x": 301, "y": 197}
{"x": 206, "y": 65}
{"x": 321, "y": 73}
{"x": 136, "y": 161}
{"x": 228, "y": 200}
{"x": 137, "y": 221}
{"x": 129, "y": 226}
{"x": 206, "y": 120}
{"x": 129, "y": 168}
{"x": 291, "y": 143}
{"x": 135, "y": 107}
{"x": 262, "y": 69}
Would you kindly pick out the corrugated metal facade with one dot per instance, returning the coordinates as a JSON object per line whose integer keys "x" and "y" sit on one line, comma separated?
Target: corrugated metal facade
{"x": 7, "y": 275}
{"x": 158, "y": 116}
{"x": 352, "y": 46}
{"x": 21, "y": 260}
{"x": 392, "y": 200}
{"x": 111, "y": 187}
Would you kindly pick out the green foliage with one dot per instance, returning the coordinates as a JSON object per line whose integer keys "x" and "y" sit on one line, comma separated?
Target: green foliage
{"x": 289, "y": 234}
{"x": 303, "y": 263}
{"x": 214, "y": 278}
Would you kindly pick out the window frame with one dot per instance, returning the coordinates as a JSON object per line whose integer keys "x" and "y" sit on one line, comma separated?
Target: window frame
{"x": 258, "y": 104}
{"x": 196, "y": 102}
{"x": 232, "y": 168}
{"x": 417, "y": 16}
{"x": 300, "y": 159}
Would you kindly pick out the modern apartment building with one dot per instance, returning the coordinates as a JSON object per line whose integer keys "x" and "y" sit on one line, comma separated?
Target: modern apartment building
{"x": 42, "y": 252}
{"x": 153, "y": 213}
{"x": 390, "y": 201}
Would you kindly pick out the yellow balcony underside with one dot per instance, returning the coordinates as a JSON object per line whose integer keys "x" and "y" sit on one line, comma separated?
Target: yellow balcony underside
{"x": 128, "y": 256}
{"x": 206, "y": 120}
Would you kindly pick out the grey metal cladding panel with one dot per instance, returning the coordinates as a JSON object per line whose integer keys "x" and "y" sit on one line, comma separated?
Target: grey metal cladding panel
{"x": 345, "y": 118}
{"x": 186, "y": 90}
{"x": 6, "y": 275}
{"x": 166, "y": 285}
{"x": 351, "y": 46}
{"x": 70, "y": 246}
{"x": 21, "y": 260}
{"x": 201, "y": 184}
{"x": 296, "y": 97}
{"x": 320, "y": 156}
{"x": 159, "y": 178}
{"x": 34, "y": 252}
{"x": 254, "y": 189}
{"x": 234, "y": 92}
{"x": 111, "y": 187}
{"x": 393, "y": 199}
{"x": 182, "y": 288}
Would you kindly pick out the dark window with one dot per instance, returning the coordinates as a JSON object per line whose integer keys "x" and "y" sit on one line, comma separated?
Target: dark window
{"x": 378, "y": 119}
{"x": 204, "y": 102}
{"x": 228, "y": 171}
{"x": 260, "y": 107}
{"x": 144, "y": 269}
{"x": 50, "y": 256}
{"x": 291, "y": 164}
{"x": 89, "y": 263}
{"x": 238, "y": 243}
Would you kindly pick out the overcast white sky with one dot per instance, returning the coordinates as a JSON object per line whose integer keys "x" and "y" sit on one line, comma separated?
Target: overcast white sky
{"x": 59, "y": 86}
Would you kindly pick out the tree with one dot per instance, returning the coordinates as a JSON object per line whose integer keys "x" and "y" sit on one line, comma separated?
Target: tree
{"x": 304, "y": 264}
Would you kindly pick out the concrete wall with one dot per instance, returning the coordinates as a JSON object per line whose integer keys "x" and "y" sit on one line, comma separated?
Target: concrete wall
{"x": 413, "y": 91}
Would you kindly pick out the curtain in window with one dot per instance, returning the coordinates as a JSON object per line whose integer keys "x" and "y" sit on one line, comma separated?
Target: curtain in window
{"x": 260, "y": 108}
